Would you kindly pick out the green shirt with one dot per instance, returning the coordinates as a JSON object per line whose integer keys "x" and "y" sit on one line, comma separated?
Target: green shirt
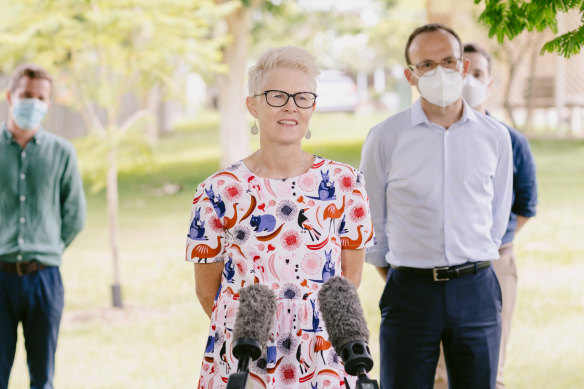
{"x": 42, "y": 204}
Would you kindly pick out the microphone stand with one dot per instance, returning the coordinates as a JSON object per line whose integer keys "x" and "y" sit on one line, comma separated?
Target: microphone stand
{"x": 358, "y": 362}
{"x": 363, "y": 381}
{"x": 245, "y": 350}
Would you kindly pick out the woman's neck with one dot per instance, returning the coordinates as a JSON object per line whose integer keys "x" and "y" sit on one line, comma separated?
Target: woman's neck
{"x": 281, "y": 162}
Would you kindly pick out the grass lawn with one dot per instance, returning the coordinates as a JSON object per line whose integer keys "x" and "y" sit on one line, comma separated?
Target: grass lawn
{"x": 157, "y": 340}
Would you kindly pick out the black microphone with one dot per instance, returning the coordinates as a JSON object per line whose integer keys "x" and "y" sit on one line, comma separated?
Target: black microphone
{"x": 257, "y": 306}
{"x": 345, "y": 323}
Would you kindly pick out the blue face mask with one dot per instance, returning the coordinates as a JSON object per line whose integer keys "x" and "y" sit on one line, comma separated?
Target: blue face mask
{"x": 28, "y": 113}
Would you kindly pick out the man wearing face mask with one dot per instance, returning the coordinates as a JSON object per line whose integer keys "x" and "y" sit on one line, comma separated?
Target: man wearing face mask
{"x": 439, "y": 179}
{"x": 475, "y": 93}
{"x": 42, "y": 208}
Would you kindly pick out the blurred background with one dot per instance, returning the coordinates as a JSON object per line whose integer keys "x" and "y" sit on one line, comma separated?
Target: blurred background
{"x": 152, "y": 92}
{"x": 181, "y": 60}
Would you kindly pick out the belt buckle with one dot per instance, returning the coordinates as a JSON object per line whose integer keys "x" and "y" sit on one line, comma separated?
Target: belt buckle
{"x": 435, "y": 273}
{"x": 18, "y": 269}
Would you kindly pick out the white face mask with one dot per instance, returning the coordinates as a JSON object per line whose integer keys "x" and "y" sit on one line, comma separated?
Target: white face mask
{"x": 474, "y": 92}
{"x": 440, "y": 86}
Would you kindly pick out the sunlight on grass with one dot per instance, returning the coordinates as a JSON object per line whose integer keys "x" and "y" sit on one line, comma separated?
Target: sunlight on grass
{"x": 157, "y": 340}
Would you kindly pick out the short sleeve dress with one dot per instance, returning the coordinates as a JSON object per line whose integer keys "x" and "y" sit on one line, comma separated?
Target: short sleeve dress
{"x": 286, "y": 234}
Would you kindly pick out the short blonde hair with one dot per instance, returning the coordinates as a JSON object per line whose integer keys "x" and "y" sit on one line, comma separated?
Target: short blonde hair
{"x": 286, "y": 57}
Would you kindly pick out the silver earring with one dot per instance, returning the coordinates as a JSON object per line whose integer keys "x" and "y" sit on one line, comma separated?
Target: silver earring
{"x": 308, "y": 134}
{"x": 254, "y": 129}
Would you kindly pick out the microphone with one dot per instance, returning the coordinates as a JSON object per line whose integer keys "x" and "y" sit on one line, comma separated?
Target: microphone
{"x": 344, "y": 320}
{"x": 257, "y": 306}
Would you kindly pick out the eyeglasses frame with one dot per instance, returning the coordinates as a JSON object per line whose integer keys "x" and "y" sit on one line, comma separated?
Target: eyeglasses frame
{"x": 459, "y": 61}
{"x": 265, "y": 93}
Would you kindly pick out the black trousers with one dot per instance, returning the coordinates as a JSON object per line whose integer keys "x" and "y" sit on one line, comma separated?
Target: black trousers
{"x": 37, "y": 301}
{"x": 417, "y": 313}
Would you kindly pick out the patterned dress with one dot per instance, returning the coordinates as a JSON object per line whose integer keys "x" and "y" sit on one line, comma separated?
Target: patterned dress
{"x": 287, "y": 234}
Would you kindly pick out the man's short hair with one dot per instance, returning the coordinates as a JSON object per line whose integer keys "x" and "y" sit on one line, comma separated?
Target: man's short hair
{"x": 31, "y": 71}
{"x": 475, "y": 48}
{"x": 431, "y": 27}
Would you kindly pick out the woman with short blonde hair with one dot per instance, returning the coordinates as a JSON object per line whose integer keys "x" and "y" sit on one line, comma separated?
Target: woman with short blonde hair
{"x": 284, "y": 218}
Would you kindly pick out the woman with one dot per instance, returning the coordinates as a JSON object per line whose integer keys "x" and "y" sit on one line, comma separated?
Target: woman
{"x": 284, "y": 218}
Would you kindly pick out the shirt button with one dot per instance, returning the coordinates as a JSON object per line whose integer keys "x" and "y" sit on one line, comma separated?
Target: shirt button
{"x": 448, "y": 192}
{"x": 23, "y": 154}
{"x": 22, "y": 176}
{"x": 22, "y": 220}
{"x": 20, "y": 240}
{"x": 449, "y": 222}
{"x": 19, "y": 257}
{"x": 22, "y": 198}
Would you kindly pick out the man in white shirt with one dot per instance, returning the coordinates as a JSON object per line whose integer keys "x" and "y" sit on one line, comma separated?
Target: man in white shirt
{"x": 439, "y": 179}
{"x": 475, "y": 93}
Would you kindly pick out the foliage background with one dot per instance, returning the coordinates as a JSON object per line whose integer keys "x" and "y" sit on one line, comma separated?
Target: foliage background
{"x": 158, "y": 339}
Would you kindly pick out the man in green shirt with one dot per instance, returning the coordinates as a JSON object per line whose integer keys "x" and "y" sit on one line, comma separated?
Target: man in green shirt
{"x": 42, "y": 208}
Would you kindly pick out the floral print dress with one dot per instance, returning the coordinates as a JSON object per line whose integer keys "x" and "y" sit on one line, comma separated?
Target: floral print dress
{"x": 287, "y": 234}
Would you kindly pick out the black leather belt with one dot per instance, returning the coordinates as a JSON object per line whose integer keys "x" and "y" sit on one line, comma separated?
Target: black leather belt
{"x": 448, "y": 272}
{"x": 21, "y": 268}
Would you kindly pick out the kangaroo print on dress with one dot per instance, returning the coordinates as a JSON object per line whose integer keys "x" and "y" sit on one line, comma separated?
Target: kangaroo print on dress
{"x": 287, "y": 234}
{"x": 197, "y": 230}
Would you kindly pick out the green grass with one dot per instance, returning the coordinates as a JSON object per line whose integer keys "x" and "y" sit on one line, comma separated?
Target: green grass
{"x": 157, "y": 340}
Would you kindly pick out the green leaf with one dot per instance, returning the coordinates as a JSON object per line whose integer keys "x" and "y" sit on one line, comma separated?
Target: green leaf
{"x": 507, "y": 19}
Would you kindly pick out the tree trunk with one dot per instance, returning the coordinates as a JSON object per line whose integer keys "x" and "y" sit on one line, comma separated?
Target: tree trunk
{"x": 233, "y": 132}
{"x": 560, "y": 98}
{"x": 533, "y": 59}
{"x": 514, "y": 56}
{"x": 152, "y": 104}
{"x": 112, "y": 206}
{"x": 507, "y": 87}
{"x": 163, "y": 117}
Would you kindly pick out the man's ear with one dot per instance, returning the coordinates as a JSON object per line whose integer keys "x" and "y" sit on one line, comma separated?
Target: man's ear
{"x": 409, "y": 76}
{"x": 251, "y": 104}
{"x": 9, "y": 98}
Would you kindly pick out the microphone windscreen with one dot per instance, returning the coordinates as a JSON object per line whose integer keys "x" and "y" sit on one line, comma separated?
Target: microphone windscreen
{"x": 342, "y": 313}
{"x": 257, "y": 307}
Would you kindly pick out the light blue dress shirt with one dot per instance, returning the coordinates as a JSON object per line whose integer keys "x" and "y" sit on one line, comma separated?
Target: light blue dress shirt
{"x": 438, "y": 197}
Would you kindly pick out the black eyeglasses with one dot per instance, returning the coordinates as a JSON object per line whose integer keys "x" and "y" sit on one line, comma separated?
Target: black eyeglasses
{"x": 278, "y": 98}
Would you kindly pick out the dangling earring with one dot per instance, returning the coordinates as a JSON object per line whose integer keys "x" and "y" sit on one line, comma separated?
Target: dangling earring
{"x": 254, "y": 129}
{"x": 308, "y": 134}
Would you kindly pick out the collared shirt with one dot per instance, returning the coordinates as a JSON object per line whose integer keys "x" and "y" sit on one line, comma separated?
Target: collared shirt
{"x": 524, "y": 182}
{"x": 438, "y": 197}
{"x": 42, "y": 204}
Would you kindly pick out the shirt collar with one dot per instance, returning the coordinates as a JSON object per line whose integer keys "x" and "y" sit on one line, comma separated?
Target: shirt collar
{"x": 6, "y": 135}
{"x": 37, "y": 138}
{"x": 418, "y": 116}
{"x": 468, "y": 113}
